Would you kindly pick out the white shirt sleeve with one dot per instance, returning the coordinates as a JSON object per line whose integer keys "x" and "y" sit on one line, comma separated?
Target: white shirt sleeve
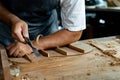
{"x": 73, "y": 14}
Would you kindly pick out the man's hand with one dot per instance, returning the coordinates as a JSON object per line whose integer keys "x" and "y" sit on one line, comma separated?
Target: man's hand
{"x": 19, "y": 29}
{"x": 19, "y": 49}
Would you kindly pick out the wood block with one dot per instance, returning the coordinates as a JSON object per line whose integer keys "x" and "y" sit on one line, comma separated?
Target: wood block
{"x": 5, "y": 64}
{"x": 111, "y": 48}
{"x": 97, "y": 45}
{"x": 44, "y": 53}
{"x": 76, "y": 48}
{"x": 68, "y": 51}
{"x": 59, "y": 50}
{"x": 81, "y": 47}
{"x": 55, "y": 53}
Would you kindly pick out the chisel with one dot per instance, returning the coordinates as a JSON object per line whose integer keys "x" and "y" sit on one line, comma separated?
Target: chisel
{"x": 35, "y": 51}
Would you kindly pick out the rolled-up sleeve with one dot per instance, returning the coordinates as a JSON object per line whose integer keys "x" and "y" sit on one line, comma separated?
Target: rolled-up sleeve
{"x": 73, "y": 14}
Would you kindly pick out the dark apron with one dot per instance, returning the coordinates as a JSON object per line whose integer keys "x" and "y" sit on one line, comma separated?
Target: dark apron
{"x": 40, "y": 15}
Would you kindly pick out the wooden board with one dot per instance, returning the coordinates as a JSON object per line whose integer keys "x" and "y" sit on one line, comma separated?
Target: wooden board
{"x": 91, "y": 66}
{"x": 81, "y": 67}
{"x": 111, "y": 48}
{"x": 5, "y": 64}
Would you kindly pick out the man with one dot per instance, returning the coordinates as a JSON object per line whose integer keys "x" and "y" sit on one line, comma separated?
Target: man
{"x": 29, "y": 18}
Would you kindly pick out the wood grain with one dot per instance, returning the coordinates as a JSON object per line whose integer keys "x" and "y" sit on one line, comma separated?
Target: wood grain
{"x": 73, "y": 49}
{"x": 81, "y": 47}
{"x": 5, "y": 65}
{"x": 111, "y": 48}
{"x": 92, "y": 66}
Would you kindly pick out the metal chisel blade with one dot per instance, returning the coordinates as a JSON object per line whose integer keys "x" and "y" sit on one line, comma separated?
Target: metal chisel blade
{"x": 35, "y": 51}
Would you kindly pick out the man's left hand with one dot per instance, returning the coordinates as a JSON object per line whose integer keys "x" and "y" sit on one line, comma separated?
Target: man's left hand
{"x": 19, "y": 49}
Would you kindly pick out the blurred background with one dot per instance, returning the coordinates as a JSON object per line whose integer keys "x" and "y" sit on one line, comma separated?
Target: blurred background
{"x": 102, "y": 18}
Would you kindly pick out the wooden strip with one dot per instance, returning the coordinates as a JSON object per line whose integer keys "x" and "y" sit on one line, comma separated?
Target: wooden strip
{"x": 54, "y": 53}
{"x": 70, "y": 52}
{"x": 105, "y": 49}
{"x": 98, "y": 45}
{"x": 81, "y": 47}
{"x": 5, "y": 65}
{"x": 28, "y": 57}
{"x": 60, "y": 51}
{"x": 76, "y": 48}
{"x": 44, "y": 53}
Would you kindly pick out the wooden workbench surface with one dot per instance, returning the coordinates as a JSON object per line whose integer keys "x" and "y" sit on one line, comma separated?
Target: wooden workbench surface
{"x": 94, "y": 65}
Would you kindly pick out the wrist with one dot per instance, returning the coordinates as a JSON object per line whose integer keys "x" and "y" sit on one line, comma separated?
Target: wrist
{"x": 38, "y": 43}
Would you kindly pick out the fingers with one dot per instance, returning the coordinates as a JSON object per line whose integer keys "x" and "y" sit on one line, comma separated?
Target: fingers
{"x": 17, "y": 53}
{"x": 10, "y": 49}
{"x": 13, "y": 51}
{"x": 20, "y": 29}
{"x": 18, "y": 49}
{"x": 18, "y": 36}
{"x": 25, "y": 31}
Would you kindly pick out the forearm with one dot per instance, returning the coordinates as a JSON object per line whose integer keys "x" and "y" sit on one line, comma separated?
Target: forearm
{"x": 59, "y": 38}
{"x": 7, "y": 16}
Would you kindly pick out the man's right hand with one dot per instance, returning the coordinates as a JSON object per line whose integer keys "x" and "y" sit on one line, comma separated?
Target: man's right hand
{"x": 18, "y": 26}
{"x": 19, "y": 29}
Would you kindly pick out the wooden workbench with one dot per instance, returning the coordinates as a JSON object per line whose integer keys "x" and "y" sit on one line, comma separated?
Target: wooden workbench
{"x": 90, "y": 66}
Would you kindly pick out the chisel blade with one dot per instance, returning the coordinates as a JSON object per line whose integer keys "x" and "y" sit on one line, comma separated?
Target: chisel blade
{"x": 35, "y": 51}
